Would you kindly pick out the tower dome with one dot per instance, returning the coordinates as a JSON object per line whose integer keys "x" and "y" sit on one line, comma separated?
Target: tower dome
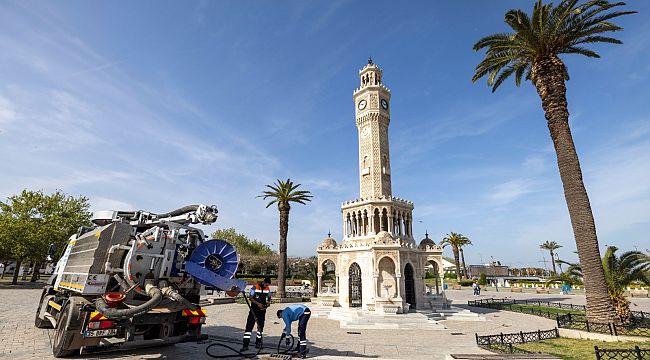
{"x": 426, "y": 242}
{"x": 328, "y": 243}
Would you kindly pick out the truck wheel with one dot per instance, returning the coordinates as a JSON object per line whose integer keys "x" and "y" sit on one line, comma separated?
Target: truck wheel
{"x": 38, "y": 322}
{"x": 62, "y": 337}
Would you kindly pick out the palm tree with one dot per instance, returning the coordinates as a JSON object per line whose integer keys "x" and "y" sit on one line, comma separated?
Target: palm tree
{"x": 533, "y": 50}
{"x": 464, "y": 242}
{"x": 620, "y": 272}
{"x": 283, "y": 193}
{"x": 456, "y": 241}
{"x": 551, "y": 246}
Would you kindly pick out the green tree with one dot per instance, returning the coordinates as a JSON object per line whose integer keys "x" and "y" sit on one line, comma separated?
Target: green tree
{"x": 533, "y": 50}
{"x": 482, "y": 280}
{"x": 32, "y": 220}
{"x": 551, "y": 246}
{"x": 283, "y": 193}
{"x": 620, "y": 272}
{"x": 243, "y": 244}
{"x": 456, "y": 241}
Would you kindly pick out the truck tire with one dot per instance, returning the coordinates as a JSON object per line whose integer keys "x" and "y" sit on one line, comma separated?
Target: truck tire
{"x": 62, "y": 337}
{"x": 38, "y": 322}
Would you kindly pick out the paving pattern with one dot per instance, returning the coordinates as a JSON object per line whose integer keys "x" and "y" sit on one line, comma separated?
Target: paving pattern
{"x": 19, "y": 339}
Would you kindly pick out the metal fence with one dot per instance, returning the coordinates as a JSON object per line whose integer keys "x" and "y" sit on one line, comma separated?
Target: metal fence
{"x": 503, "y": 342}
{"x": 622, "y": 354}
{"x": 507, "y": 303}
{"x": 571, "y": 321}
{"x": 639, "y": 326}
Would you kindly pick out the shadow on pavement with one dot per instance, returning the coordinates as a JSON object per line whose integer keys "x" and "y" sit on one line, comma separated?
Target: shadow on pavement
{"x": 22, "y": 285}
{"x": 197, "y": 350}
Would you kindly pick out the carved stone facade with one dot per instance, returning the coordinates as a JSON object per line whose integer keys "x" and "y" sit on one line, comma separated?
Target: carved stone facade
{"x": 377, "y": 266}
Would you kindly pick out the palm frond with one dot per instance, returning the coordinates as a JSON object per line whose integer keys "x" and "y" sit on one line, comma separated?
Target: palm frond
{"x": 547, "y": 32}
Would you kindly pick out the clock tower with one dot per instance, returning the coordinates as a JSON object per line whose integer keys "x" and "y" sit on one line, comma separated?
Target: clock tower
{"x": 372, "y": 104}
{"x": 377, "y": 266}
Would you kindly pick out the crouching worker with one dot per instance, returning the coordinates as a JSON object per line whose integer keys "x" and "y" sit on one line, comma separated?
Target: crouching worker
{"x": 260, "y": 297}
{"x": 290, "y": 314}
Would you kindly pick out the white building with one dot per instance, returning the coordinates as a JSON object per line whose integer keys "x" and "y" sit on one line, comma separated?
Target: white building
{"x": 377, "y": 266}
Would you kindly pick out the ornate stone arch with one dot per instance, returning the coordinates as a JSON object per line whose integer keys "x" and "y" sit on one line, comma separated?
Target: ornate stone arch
{"x": 386, "y": 280}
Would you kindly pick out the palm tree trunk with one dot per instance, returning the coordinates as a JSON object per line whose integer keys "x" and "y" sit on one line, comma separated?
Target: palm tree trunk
{"x": 548, "y": 75}
{"x": 553, "y": 262}
{"x": 284, "y": 230}
{"x": 457, "y": 261}
{"x": 462, "y": 256}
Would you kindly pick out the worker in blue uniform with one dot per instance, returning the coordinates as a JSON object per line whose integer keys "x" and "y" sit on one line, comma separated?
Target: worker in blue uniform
{"x": 300, "y": 313}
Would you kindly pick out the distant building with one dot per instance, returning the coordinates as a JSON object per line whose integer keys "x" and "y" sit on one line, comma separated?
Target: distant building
{"x": 474, "y": 271}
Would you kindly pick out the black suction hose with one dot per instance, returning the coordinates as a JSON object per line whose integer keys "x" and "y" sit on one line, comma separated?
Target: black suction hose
{"x": 181, "y": 211}
{"x": 114, "y": 313}
{"x": 237, "y": 353}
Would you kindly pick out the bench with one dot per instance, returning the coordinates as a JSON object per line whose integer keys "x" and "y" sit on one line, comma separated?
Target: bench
{"x": 541, "y": 290}
{"x": 517, "y": 289}
{"x": 639, "y": 293}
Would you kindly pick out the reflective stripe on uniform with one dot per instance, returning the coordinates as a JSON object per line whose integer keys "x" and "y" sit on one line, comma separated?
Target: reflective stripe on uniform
{"x": 259, "y": 335}
{"x": 303, "y": 342}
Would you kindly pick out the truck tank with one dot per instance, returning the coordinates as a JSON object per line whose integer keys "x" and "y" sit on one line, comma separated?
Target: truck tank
{"x": 135, "y": 277}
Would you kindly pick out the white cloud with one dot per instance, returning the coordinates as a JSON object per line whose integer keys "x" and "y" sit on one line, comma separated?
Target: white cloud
{"x": 511, "y": 190}
{"x": 7, "y": 112}
{"x": 101, "y": 203}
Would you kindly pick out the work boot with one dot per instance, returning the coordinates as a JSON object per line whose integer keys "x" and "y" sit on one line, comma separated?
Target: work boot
{"x": 244, "y": 348}
{"x": 258, "y": 343}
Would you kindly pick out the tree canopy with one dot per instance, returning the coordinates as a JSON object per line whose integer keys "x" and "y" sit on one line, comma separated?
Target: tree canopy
{"x": 32, "y": 220}
{"x": 243, "y": 244}
{"x": 550, "y": 31}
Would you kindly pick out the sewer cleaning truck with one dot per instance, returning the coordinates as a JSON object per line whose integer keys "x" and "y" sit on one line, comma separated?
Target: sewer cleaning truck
{"x": 135, "y": 279}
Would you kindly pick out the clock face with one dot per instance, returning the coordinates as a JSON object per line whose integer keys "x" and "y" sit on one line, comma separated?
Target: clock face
{"x": 384, "y": 104}
{"x": 362, "y": 104}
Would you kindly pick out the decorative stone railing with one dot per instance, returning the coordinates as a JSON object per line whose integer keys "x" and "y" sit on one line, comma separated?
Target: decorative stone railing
{"x": 383, "y": 198}
{"x": 390, "y": 309}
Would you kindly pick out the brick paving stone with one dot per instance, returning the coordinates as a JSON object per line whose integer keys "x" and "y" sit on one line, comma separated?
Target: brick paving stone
{"x": 19, "y": 339}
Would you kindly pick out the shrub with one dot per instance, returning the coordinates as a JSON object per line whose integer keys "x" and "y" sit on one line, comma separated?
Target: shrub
{"x": 482, "y": 279}
{"x": 450, "y": 275}
{"x": 466, "y": 282}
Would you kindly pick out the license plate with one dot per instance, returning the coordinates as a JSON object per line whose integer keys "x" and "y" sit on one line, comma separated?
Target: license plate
{"x": 100, "y": 333}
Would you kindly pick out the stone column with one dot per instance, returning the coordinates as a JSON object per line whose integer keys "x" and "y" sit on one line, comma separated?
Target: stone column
{"x": 337, "y": 284}
{"x": 319, "y": 290}
{"x": 400, "y": 220}
{"x": 398, "y": 279}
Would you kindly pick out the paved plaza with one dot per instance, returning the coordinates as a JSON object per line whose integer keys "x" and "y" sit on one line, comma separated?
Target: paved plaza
{"x": 19, "y": 339}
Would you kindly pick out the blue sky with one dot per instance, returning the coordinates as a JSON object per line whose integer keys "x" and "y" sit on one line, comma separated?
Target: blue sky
{"x": 154, "y": 105}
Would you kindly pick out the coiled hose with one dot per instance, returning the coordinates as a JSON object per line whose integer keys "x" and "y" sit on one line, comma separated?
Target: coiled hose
{"x": 239, "y": 354}
{"x": 114, "y": 313}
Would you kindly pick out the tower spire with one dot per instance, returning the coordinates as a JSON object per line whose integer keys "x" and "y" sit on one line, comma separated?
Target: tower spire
{"x": 369, "y": 60}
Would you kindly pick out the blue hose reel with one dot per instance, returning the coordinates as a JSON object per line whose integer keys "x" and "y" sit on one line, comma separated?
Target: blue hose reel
{"x": 214, "y": 263}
